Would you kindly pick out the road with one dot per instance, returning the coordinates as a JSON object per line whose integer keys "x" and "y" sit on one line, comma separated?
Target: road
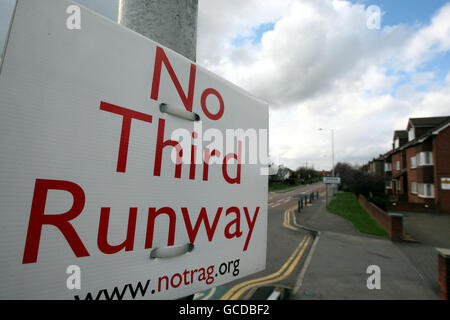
{"x": 287, "y": 248}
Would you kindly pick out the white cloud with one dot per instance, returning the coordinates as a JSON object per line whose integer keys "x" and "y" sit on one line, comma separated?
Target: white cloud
{"x": 428, "y": 40}
{"x": 316, "y": 44}
{"x": 322, "y": 67}
{"x": 220, "y": 22}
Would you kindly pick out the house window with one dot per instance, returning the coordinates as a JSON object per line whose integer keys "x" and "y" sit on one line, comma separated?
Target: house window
{"x": 411, "y": 134}
{"x": 397, "y": 165}
{"x": 389, "y": 184}
{"x": 413, "y": 162}
{"x": 388, "y": 166}
{"x": 396, "y": 143}
{"x": 425, "y": 158}
{"x": 414, "y": 187}
{"x": 425, "y": 190}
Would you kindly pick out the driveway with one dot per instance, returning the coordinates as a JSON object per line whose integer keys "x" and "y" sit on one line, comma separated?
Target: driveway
{"x": 430, "y": 231}
{"x": 428, "y": 228}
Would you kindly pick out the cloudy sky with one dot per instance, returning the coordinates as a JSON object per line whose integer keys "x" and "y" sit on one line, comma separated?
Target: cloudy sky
{"x": 319, "y": 65}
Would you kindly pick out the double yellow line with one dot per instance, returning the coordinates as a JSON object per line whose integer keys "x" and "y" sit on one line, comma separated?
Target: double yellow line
{"x": 287, "y": 220}
{"x": 287, "y": 268}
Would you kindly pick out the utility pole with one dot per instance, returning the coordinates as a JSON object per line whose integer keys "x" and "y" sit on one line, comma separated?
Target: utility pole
{"x": 332, "y": 149}
{"x": 172, "y": 23}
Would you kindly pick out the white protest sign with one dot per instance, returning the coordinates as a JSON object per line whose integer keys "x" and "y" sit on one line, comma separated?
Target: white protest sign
{"x": 102, "y": 194}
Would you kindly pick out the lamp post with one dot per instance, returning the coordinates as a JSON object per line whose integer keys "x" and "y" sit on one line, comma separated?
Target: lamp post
{"x": 171, "y": 23}
{"x": 332, "y": 149}
{"x": 332, "y": 162}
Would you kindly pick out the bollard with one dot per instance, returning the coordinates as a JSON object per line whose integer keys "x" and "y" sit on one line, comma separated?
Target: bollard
{"x": 299, "y": 206}
{"x": 317, "y": 194}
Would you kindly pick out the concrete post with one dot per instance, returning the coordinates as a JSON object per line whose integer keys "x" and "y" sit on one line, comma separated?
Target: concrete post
{"x": 172, "y": 23}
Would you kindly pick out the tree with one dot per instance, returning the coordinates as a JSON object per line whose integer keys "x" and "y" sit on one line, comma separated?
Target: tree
{"x": 358, "y": 181}
{"x": 306, "y": 175}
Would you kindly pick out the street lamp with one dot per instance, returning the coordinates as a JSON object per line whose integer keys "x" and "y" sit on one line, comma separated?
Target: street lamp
{"x": 332, "y": 149}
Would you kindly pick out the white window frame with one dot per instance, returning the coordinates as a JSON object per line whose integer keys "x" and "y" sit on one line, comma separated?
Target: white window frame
{"x": 397, "y": 165}
{"x": 428, "y": 190}
{"x": 411, "y": 164}
{"x": 387, "y": 166}
{"x": 388, "y": 184}
{"x": 396, "y": 143}
{"x": 411, "y": 134}
{"x": 421, "y": 158}
{"x": 414, "y": 187}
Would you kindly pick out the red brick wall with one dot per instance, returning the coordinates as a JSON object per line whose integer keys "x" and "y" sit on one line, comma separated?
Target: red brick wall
{"x": 412, "y": 174}
{"x": 395, "y": 227}
{"x": 398, "y": 157}
{"x": 441, "y": 158}
{"x": 444, "y": 274}
{"x": 392, "y": 224}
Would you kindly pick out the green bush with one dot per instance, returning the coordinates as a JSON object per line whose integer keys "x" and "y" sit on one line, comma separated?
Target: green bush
{"x": 290, "y": 181}
{"x": 379, "y": 202}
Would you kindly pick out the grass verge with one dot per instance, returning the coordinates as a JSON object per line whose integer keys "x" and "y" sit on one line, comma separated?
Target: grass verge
{"x": 347, "y": 206}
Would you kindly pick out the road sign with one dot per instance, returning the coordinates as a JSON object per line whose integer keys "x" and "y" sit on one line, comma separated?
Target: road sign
{"x": 332, "y": 180}
{"x": 97, "y": 199}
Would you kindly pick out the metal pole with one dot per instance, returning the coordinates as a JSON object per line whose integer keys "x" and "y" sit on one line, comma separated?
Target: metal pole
{"x": 172, "y": 23}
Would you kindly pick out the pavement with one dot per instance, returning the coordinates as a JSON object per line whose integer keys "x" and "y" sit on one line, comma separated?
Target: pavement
{"x": 428, "y": 228}
{"x": 338, "y": 264}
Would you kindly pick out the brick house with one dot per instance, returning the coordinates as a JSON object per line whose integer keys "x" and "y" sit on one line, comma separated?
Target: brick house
{"x": 421, "y": 165}
{"x": 376, "y": 166}
{"x": 399, "y": 175}
{"x": 388, "y": 172}
{"x": 395, "y": 166}
{"x": 428, "y": 159}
